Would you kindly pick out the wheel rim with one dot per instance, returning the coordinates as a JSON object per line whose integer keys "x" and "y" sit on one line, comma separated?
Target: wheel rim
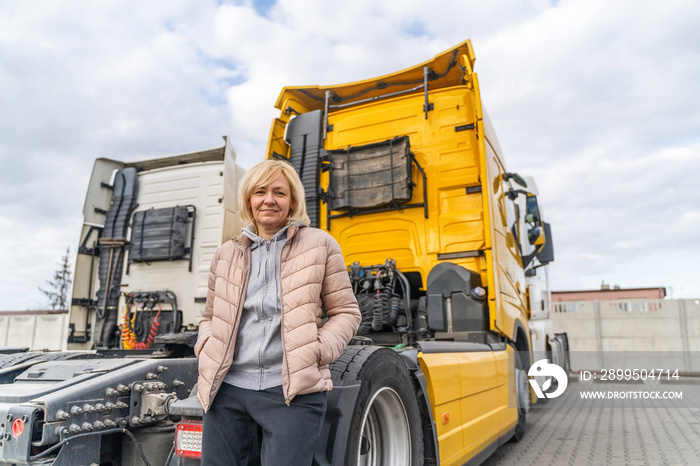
{"x": 386, "y": 437}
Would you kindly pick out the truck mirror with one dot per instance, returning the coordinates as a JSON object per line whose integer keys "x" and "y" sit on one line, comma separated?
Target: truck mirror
{"x": 536, "y": 237}
{"x": 515, "y": 177}
{"x": 546, "y": 255}
{"x": 532, "y": 211}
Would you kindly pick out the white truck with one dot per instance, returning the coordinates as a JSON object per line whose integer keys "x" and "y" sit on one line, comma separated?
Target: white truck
{"x": 545, "y": 343}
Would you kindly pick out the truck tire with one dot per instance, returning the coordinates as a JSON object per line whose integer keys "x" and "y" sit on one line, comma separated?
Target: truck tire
{"x": 563, "y": 341}
{"x": 386, "y": 422}
{"x": 10, "y": 360}
{"x": 522, "y": 393}
{"x": 16, "y": 359}
{"x": 12, "y": 365}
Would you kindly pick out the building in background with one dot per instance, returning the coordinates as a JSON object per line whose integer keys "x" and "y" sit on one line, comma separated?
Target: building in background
{"x": 608, "y": 293}
{"x": 608, "y": 323}
{"x": 42, "y": 330}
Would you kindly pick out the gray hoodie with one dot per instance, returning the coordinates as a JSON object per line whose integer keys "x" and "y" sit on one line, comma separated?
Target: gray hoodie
{"x": 257, "y": 359}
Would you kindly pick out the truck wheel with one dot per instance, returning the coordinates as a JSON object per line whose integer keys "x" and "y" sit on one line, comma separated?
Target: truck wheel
{"x": 522, "y": 396}
{"x": 386, "y": 422}
{"x": 563, "y": 340}
{"x": 10, "y": 360}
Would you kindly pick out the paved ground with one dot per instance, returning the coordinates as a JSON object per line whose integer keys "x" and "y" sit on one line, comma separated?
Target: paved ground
{"x": 569, "y": 431}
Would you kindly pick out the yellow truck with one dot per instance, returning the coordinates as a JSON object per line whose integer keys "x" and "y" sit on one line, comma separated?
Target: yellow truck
{"x": 405, "y": 171}
{"x": 442, "y": 245}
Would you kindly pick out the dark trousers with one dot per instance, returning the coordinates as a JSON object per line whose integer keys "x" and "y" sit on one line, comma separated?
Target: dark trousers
{"x": 248, "y": 427}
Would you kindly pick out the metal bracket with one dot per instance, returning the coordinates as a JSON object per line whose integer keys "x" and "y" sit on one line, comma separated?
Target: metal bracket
{"x": 427, "y": 106}
{"x": 149, "y": 402}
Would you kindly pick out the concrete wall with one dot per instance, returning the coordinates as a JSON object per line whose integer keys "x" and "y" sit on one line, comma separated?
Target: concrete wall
{"x": 610, "y": 294}
{"x": 666, "y": 329}
{"x": 37, "y": 331}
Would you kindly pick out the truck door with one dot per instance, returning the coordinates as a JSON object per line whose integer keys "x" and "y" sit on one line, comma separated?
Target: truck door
{"x": 508, "y": 293}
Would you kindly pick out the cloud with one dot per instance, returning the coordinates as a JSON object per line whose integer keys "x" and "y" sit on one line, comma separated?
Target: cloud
{"x": 87, "y": 80}
{"x": 597, "y": 100}
{"x": 584, "y": 76}
{"x": 600, "y": 108}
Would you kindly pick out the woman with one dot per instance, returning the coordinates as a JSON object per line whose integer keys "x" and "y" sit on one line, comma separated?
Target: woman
{"x": 263, "y": 347}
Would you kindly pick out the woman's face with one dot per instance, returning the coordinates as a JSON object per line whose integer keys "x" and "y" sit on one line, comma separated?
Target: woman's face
{"x": 270, "y": 205}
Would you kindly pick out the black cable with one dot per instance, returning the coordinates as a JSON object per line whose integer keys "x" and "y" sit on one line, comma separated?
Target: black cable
{"x": 138, "y": 447}
{"x": 170, "y": 455}
{"x": 383, "y": 85}
{"x": 86, "y": 434}
{"x": 97, "y": 310}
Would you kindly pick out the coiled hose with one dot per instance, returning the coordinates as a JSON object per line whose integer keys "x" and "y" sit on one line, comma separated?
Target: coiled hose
{"x": 380, "y": 306}
{"x": 366, "y": 310}
{"x": 129, "y": 339}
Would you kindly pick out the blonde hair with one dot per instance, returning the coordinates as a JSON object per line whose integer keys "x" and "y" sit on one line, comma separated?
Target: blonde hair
{"x": 263, "y": 174}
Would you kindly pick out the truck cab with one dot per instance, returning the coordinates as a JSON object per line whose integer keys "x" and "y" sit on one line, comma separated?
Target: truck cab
{"x": 405, "y": 171}
{"x": 149, "y": 233}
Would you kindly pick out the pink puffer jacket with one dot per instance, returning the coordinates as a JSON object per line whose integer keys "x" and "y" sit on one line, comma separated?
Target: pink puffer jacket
{"x": 313, "y": 278}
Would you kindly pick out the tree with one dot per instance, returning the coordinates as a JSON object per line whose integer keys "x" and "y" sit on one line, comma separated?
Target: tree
{"x": 58, "y": 287}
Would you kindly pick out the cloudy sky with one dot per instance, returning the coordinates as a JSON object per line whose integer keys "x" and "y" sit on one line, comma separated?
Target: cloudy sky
{"x": 598, "y": 100}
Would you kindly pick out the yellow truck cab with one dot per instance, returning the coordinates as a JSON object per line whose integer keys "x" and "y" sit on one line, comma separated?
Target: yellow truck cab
{"x": 442, "y": 244}
{"x": 405, "y": 171}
